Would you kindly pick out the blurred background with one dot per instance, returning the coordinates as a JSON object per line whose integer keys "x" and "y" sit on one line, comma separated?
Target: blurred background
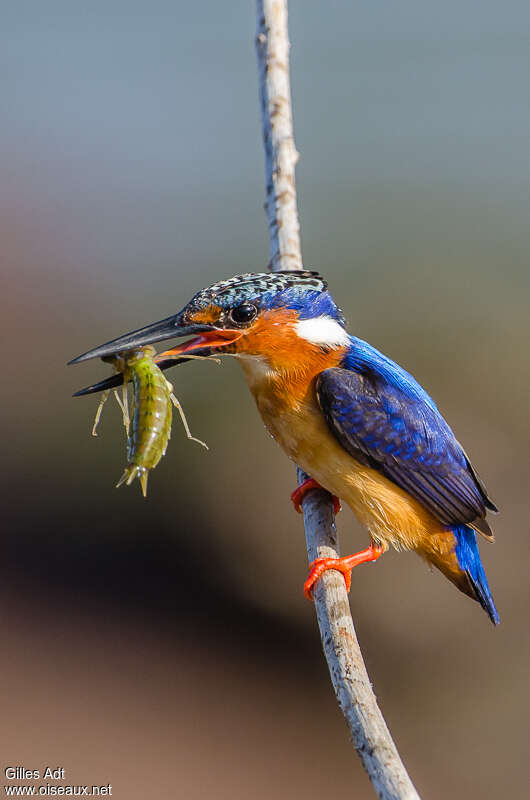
{"x": 144, "y": 643}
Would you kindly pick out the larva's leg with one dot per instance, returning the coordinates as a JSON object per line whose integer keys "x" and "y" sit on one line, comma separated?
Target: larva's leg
{"x": 183, "y": 418}
{"x": 98, "y": 412}
{"x": 123, "y": 403}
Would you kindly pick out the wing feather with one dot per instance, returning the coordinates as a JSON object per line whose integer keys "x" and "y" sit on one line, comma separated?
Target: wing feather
{"x": 407, "y": 440}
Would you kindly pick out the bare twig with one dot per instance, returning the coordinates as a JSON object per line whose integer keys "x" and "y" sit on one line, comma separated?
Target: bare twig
{"x": 272, "y": 44}
{"x": 370, "y": 734}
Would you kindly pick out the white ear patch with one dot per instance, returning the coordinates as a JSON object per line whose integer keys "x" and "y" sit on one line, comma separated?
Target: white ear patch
{"x": 323, "y": 330}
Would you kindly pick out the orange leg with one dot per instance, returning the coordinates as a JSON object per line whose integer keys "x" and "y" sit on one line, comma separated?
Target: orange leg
{"x": 298, "y": 495}
{"x": 344, "y": 565}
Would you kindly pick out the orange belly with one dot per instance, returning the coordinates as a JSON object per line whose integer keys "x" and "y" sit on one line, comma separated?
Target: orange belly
{"x": 390, "y": 514}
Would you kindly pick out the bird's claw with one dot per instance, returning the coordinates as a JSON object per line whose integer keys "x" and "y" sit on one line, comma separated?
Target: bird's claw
{"x": 300, "y": 492}
{"x": 344, "y": 565}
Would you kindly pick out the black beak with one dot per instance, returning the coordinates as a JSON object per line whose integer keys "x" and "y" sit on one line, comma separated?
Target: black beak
{"x": 168, "y": 328}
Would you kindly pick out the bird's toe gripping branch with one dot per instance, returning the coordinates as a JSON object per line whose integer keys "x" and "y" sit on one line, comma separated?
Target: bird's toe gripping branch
{"x": 344, "y": 565}
{"x": 320, "y": 565}
{"x": 300, "y": 492}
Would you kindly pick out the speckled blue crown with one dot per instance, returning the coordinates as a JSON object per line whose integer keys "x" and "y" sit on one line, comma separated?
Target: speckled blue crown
{"x": 303, "y": 290}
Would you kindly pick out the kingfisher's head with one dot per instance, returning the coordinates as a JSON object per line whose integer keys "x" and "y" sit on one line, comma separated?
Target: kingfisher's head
{"x": 280, "y": 317}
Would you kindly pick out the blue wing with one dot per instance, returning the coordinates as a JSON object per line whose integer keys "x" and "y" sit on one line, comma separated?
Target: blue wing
{"x": 384, "y": 419}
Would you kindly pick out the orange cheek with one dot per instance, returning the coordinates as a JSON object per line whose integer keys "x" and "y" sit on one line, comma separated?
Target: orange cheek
{"x": 270, "y": 334}
{"x": 274, "y": 336}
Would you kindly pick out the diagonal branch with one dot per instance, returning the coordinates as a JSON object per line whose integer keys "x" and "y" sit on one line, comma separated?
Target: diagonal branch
{"x": 368, "y": 728}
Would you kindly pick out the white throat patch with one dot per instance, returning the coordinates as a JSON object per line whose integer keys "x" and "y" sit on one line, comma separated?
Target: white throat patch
{"x": 323, "y": 330}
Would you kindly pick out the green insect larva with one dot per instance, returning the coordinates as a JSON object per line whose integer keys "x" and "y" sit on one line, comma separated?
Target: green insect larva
{"x": 148, "y": 425}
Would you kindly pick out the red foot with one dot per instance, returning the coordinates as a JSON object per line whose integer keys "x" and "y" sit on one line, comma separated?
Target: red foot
{"x": 344, "y": 565}
{"x": 298, "y": 495}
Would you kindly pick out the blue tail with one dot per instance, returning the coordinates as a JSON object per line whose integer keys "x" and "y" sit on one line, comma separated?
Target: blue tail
{"x": 468, "y": 556}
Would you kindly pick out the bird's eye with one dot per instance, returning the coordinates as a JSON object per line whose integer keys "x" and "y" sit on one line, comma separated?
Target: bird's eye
{"x": 243, "y": 313}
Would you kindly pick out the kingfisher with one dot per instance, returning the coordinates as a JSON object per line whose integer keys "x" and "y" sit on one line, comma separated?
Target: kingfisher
{"x": 355, "y": 421}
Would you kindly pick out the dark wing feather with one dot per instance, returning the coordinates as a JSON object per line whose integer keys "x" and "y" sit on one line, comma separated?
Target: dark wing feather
{"x": 405, "y": 439}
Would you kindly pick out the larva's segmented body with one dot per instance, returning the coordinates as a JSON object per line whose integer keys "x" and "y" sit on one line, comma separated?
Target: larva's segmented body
{"x": 149, "y": 425}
